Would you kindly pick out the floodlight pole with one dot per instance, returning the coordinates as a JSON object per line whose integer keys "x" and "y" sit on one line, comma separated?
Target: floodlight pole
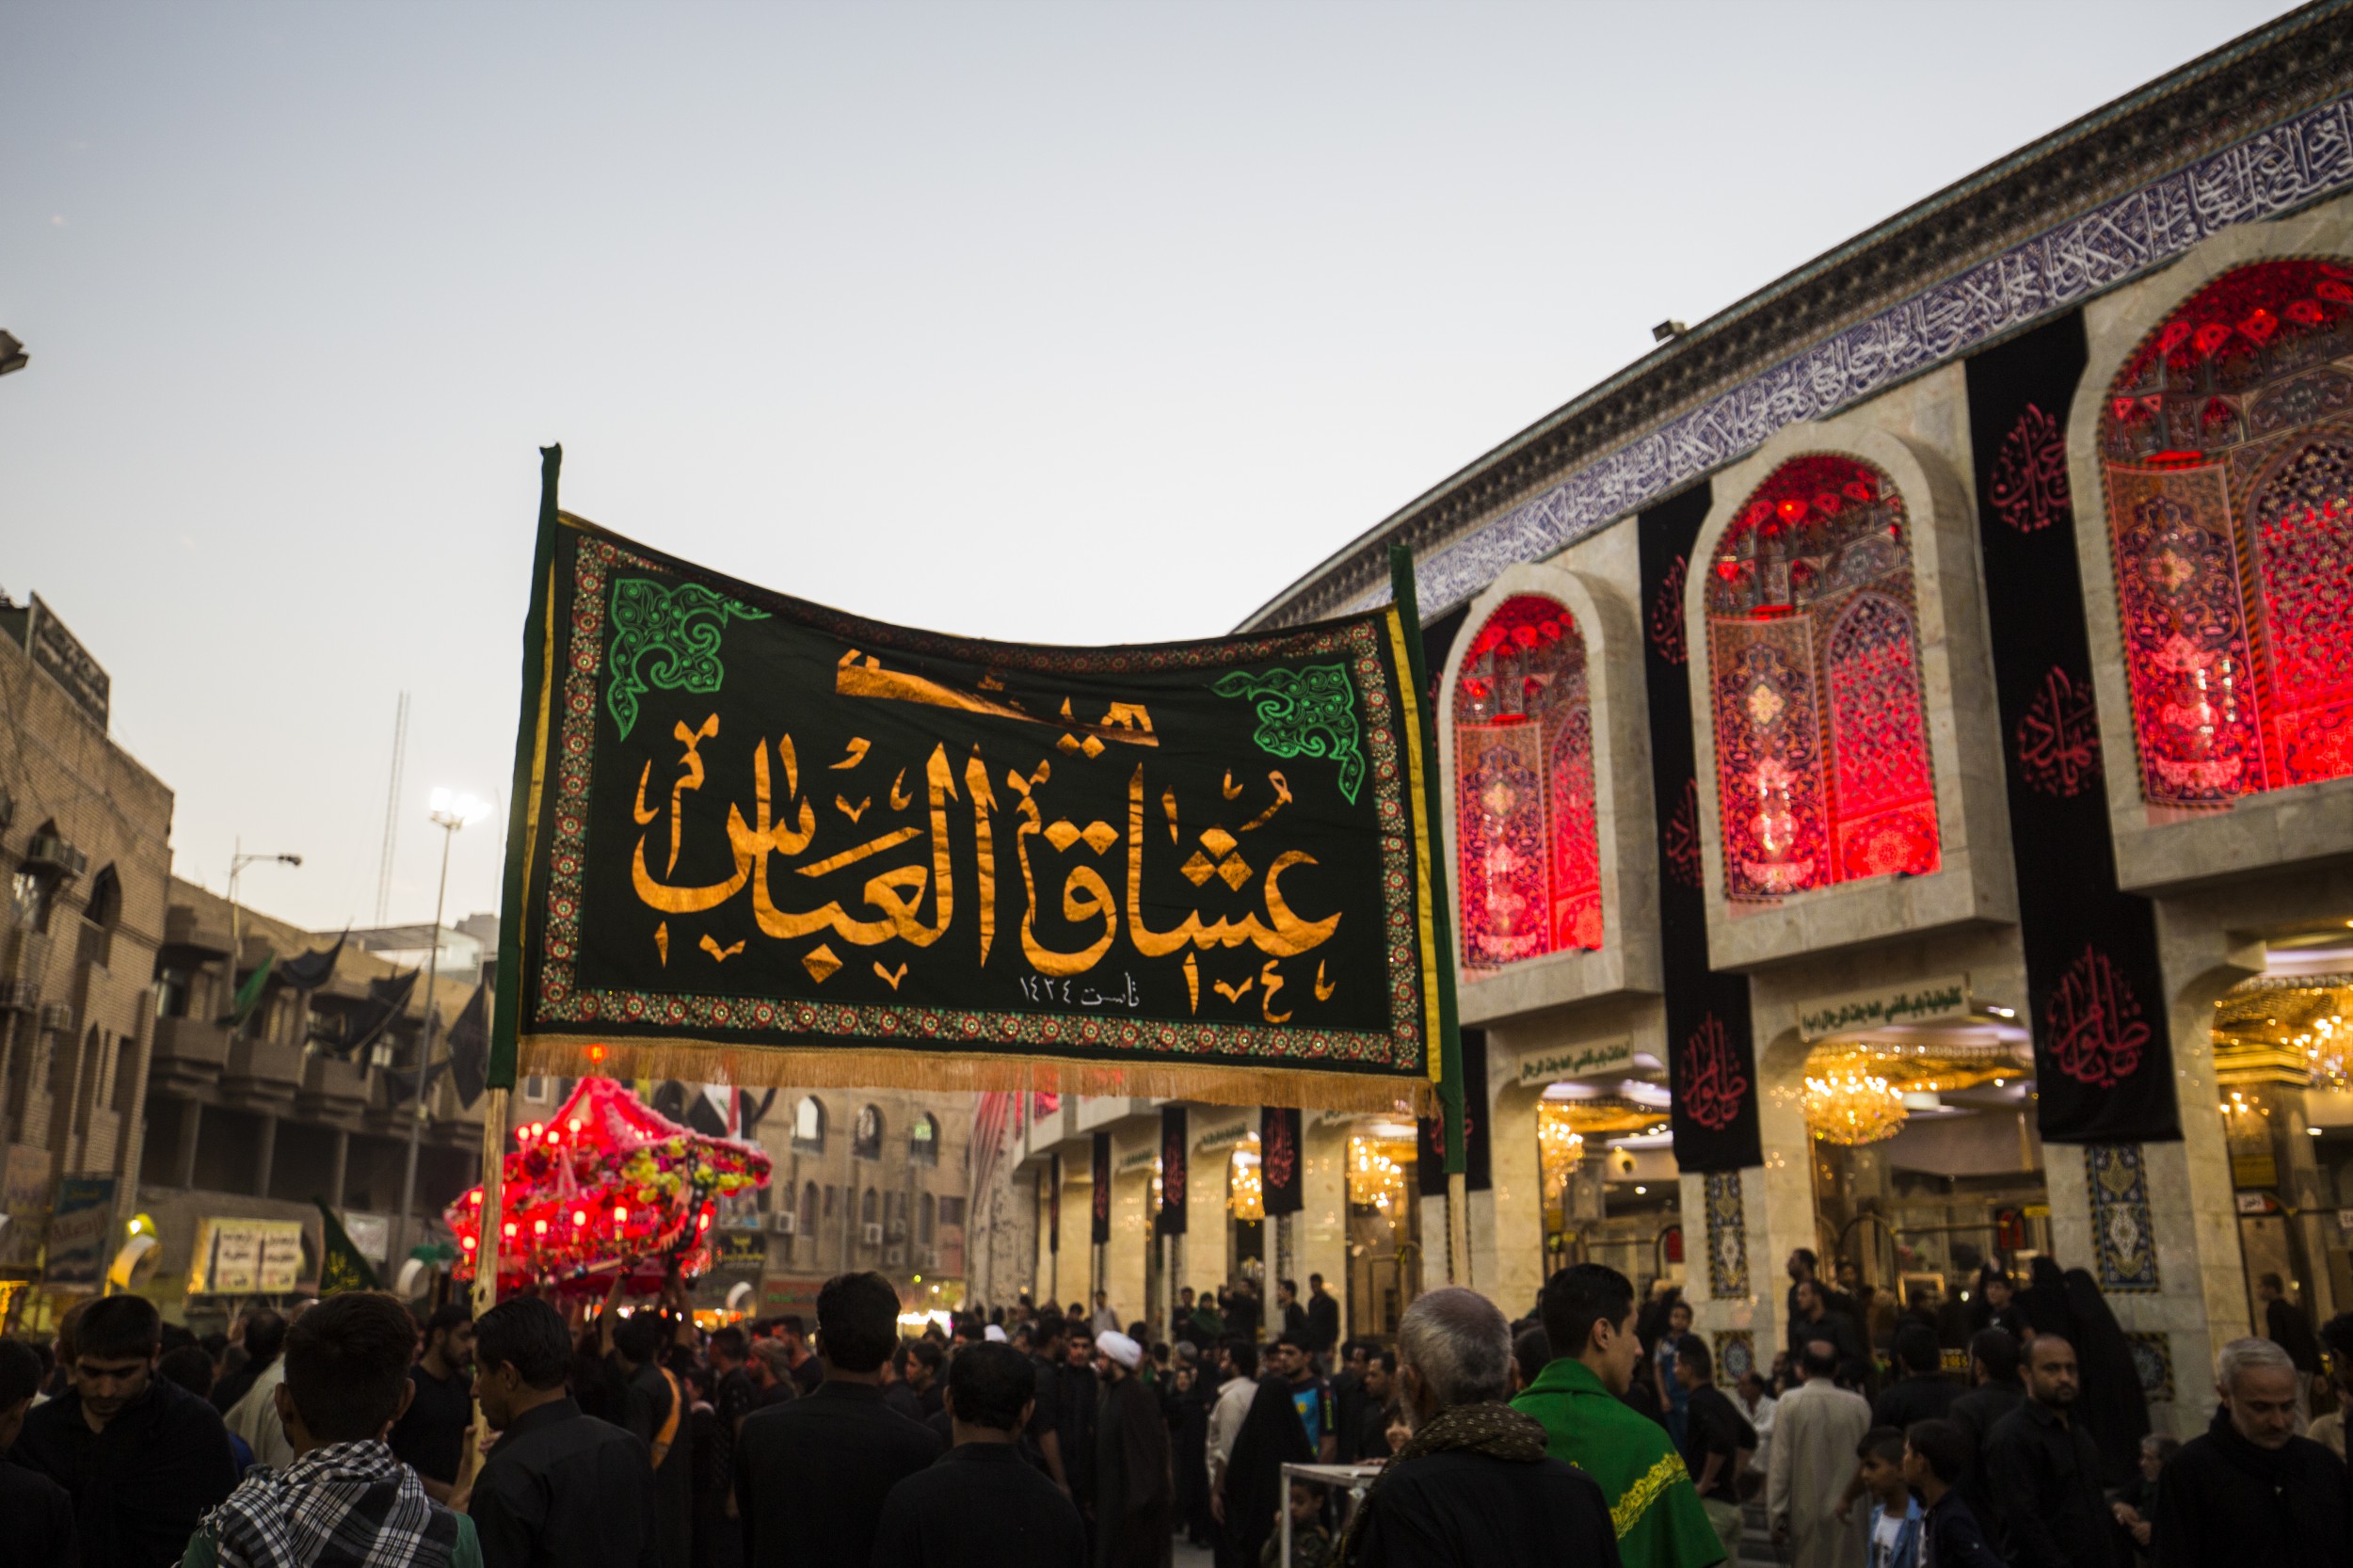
{"x": 449, "y": 822}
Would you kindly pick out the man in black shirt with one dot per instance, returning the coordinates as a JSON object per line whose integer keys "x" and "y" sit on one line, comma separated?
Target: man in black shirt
{"x": 2045, "y": 1466}
{"x": 559, "y": 1489}
{"x": 810, "y": 1476}
{"x": 979, "y": 1507}
{"x": 1993, "y": 1367}
{"x": 1715, "y": 1435}
{"x": 654, "y": 1411}
{"x": 1041, "y": 1431}
{"x": 38, "y": 1514}
{"x": 1474, "y": 1485}
{"x": 807, "y": 1372}
{"x": 2250, "y": 1490}
{"x": 1922, "y": 1392}
{"x": 1323, "y": 1317}
{"x": 430, "y": 1435}
{"x": 142, "y": 1458}
{"x": 2286, "y": 1325}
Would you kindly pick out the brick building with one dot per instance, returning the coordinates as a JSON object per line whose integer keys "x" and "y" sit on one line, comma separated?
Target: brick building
{"x": 85, "y": 836}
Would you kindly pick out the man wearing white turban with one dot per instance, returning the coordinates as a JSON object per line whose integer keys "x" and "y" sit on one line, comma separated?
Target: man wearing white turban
{"x": 1132, "y": 1484}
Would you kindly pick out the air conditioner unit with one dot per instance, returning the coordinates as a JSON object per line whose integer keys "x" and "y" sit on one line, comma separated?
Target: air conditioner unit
{"x": 927, "y": 1257}
{"x": 58, "y": 1015}
{"x": 19, "y": 996}
{"x": 895, "y": 1258}
{"x": 898, "y": 1230}
{"x": 50, "y": 853}
{"x": 788, "y": 1223}
{"x": 873, "y": 1236}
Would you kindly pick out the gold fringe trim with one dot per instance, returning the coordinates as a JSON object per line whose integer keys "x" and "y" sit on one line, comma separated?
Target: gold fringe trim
{"x": 711, "y": 1062}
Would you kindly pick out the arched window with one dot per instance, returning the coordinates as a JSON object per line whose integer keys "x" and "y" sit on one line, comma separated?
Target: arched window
{"x": 809, "y": 1126}
{"x": 866, "y": 1135}
{"x": 869, "y": 1208}
{"x": 923, "y": 1139}
{"x": 1821, "y": 732}
{"x": 2227, "y": 445}
{"x": 927, "y": 1212}
{"x": 1524, "y": 788}
{"x": 810, "y": 1212}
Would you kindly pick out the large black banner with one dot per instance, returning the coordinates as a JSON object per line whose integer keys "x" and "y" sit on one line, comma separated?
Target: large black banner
{"x": 776, "y": 842}
{"x": 2103, "y": 1067}
{"x": 1281, "y": 1182}
{"x": 1429, "y": 1141}
{"x": 1174, "y": 1170}
{"x": 1053, "y": 1204}
{"x": 1099, "y": 1200}
{"x": 1711, "y": 1055}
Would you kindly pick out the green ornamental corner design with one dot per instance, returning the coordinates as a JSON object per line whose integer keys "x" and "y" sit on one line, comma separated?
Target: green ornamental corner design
{"x": 1309, "y": 712}
{"x": 666, "y": 637}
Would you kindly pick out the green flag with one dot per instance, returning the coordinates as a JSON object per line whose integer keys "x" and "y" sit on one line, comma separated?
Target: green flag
{"x": 341, "y": 1267}
{"x": 249, "y": 994}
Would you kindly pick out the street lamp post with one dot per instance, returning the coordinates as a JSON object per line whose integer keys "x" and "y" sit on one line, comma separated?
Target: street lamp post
{"x": 238, "y": 861}
{"x": 450, "y": 812}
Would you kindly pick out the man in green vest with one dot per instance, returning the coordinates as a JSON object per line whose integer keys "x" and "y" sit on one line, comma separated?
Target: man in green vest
{"x": 1588, "y": 1317}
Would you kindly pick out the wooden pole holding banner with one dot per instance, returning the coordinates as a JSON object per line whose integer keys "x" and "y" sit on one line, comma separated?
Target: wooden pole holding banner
{"x": 493, "y": 1229}
{"x": 1449, "y": 1045}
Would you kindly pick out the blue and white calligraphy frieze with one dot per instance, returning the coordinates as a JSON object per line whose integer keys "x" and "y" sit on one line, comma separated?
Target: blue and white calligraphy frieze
{"x": 2271, "y": 172}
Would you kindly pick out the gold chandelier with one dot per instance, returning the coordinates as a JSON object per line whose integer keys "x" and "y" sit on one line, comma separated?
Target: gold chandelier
{"x": 1559, "y": 1147}
{"x": 1245, "y": 1194}
{"x": 1849, "y": 1104}
{"x": 2286, "y": 1030}
{"x": 1375, "y": 1180}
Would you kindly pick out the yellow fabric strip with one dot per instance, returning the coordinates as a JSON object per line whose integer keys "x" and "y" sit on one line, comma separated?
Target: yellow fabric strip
{"x": 1410, "y": 720}
{"x": 1648, "y": 1489}
{"x": 951, "y": 1066}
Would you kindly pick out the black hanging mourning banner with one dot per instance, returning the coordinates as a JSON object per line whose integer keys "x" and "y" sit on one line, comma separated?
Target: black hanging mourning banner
{"x": 760, "y": 840}
{"x": 1279, "y": 1177}
{"x": 2102, "y": 1069}
{"x": 1100, "y": 1199}
{"x": 1429, "y": 1143}
{"x": 1174, "y": 1149}
{"x": 1053, "y": 1205}
{"x": 1711, "y": 1055}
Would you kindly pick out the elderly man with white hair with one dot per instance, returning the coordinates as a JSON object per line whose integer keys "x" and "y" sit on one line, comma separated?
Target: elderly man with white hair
{"x": 2250, "y": 1490}
{"x": 1473, "y": 1487}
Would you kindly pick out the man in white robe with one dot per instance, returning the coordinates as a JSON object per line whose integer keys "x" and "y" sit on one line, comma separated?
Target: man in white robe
{"x": 1816, "y": 1428}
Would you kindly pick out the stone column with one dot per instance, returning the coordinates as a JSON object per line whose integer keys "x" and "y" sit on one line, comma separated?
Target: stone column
{"x": 191, "y": 1123}
{"x": 1322, "y": 1224}
{"x": 1508, "y": 1223}
{"x": 265, "y": 1154}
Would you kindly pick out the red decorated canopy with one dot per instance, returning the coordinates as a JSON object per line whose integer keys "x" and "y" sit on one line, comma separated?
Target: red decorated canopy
{"x": 607, "y": 1185}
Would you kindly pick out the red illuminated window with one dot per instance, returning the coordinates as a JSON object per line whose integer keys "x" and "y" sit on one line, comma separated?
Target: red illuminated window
{"x": 1524, "y": 788}
{"x": 1821, "y": 734}
{"x": 2227, "y": 443}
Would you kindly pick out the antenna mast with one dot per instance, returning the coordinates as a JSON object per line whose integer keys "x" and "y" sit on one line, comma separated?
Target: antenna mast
{"x": 392, "y": 809}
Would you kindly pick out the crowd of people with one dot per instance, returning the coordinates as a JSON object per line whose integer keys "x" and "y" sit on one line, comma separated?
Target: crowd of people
{"x": 1593, "y": 1430}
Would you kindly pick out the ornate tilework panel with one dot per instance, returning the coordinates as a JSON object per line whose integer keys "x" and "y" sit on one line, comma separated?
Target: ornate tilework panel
{"x": 1525, "y": 824}
{"x": 1821, "y": 732}
{"x": 2229, "y": 465}
{"x": 1736, "y": 1356}
{"x": 2153, "y": 1355}
{"x": 2272, "y": 172}
{"x": 2122, "y": 1235}
{"x": 1727, "y": 1237}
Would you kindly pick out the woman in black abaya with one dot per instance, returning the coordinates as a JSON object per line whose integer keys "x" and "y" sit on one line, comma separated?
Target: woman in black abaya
{"x": 2114, "y": 1405}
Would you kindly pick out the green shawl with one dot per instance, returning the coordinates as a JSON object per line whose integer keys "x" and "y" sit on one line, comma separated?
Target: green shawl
{"x": 1652, "y": 1502}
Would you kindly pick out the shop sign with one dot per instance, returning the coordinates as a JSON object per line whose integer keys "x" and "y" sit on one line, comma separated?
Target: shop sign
{"x": 1137, "y": 1160}
{"x": 741, "y": 1252}
{"x": 79, "y": 1229}
{"x": 783, "y": 1293}
{"x": 1924, "y": 1002}
{"x": 2258, "y": 1203}
{"x": 1609, "y": 1057}
{"x": 25, "y": 1193}
{"x": 1342, "y": 1118}
{"x": 247, "y": 1258}
{"x": 1233, "y": 1133}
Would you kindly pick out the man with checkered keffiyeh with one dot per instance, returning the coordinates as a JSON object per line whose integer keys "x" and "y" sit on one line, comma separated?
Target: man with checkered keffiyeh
{"x": 344, "y": 1502}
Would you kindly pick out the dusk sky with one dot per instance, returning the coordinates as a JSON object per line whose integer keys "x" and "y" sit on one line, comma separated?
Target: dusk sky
{"x": 1063, "y": 323}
